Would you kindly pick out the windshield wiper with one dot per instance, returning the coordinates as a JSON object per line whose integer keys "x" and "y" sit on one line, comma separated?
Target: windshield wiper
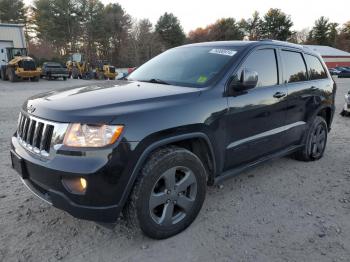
{"x": 156, "y": 81}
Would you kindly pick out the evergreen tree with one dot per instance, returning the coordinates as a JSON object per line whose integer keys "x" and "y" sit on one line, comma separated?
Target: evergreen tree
{"x": 170, "y": 31}
{"x": 252, "y": 27}
{"x": 12, "y": 11}
{"x": 276, "y": 25}
{"x": 323, "y": 32}
{"x": 225, "y": 29}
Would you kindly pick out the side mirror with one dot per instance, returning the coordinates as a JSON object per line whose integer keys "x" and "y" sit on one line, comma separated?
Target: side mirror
{"x": 247, "y": 80}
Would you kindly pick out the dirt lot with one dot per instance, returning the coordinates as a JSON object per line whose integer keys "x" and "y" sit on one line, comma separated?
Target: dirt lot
{"x": 283, "y": 210}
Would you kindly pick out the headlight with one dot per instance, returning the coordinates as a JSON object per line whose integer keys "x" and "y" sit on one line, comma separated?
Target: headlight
{"x": 83, "y": 135}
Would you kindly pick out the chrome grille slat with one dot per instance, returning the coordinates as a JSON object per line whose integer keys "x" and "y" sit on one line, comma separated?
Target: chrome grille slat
{"x": 31, "y": 132}
{"x": 25, "y": 128}
{"x": 36, "y": 134}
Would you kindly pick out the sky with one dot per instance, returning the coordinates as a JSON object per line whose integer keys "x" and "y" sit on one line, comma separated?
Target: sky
{"x": 196, "y": 13}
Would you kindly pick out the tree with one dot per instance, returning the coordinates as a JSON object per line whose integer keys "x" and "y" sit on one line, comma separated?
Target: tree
{"x": 333, "y": 34}
{"x": 319, "y": 33}
{"x": 199, "y": 35}
{"x": 225, "y": 29}
{"x": 144, "y": 43}
{"x": 323, "y": 32}
{"x": 12, "y": 11}
{"x": 170, "y": 30}
{"x": 116, "y": 27}
{"x": 92, "y": 12}
{"x": 276, "y": 25}
{"x": 299, "y": 37}
{"x": 57, "y": 22}
{"x": 252, "y": 27}
{"x": 343, "y": 39}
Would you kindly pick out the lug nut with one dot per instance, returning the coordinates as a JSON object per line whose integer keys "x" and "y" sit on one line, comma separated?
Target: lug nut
{"x": 179, "y": 194}
{"x": 174, "y": 201}
{"x": 168, "y": 192}
{"x": 168, "y": 201}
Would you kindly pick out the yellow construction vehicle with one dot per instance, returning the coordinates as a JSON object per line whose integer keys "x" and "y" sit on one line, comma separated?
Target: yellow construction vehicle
{"x": 78, "y": 67}
{"x": 105, "y": 71}
{"x": 19, "y": 66}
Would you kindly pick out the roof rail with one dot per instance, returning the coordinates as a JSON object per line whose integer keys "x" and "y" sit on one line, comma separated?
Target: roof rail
{"x": 282, "y": 42}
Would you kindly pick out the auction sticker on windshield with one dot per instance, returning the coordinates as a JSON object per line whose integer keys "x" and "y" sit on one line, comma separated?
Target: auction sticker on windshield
{"x": 227, "y": 52}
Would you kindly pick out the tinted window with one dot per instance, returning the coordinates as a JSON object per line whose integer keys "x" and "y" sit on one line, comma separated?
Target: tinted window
{"x": 316, "y": 70}
{"x": 264, "y": 63}
{"x": 294, "y": 67}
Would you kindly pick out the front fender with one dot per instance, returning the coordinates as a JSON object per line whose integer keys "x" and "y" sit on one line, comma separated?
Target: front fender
{"x": 146, "y": 150}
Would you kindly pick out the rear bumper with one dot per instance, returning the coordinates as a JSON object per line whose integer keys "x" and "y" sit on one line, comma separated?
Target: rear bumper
{"x": 102, "y": 171}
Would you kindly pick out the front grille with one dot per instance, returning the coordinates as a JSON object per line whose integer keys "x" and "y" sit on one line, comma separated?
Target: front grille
{"x": 35, "y": 134}
{"x": 112, "y": 69}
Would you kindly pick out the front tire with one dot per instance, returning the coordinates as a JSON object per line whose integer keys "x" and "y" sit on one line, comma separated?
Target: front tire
{"x": 168, "y": 194}
{"x": 316, "y": 141}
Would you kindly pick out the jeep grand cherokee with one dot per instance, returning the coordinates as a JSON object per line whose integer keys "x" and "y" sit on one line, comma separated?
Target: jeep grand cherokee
{"x": 193, "y": 116}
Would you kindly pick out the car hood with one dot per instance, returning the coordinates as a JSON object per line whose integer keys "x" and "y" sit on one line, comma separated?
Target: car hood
{"x": 102, "y": 102}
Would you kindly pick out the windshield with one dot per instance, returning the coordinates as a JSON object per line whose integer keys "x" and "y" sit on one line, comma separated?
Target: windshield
{"x": 194, "y": 66}
{"x": 18, "y": 52}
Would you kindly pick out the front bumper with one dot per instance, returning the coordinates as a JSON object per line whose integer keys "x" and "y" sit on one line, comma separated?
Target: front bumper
{"x": 26, "y": 74}
{"x": 102, "y": 169}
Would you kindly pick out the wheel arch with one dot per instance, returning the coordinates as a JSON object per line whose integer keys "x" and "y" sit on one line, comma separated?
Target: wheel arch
{"x": 194, "y": 142}
{"x": 326, "y": 112}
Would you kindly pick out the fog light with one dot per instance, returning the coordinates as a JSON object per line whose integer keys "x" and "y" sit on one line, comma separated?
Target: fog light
{"x": 83, "y": 183}
{"x": 75, "y": 185}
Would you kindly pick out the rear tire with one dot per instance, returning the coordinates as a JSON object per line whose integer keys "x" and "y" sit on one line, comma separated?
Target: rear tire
{"x": 316, "y": 141}
{"x": 168, "y": 194}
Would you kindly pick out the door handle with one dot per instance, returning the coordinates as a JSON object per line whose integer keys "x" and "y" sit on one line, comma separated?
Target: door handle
{"x": 279, "y": 94}
{"x": 313, "y": 88}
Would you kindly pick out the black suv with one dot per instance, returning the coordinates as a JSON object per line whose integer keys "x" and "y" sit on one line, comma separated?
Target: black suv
{"x": 191, "y": 117}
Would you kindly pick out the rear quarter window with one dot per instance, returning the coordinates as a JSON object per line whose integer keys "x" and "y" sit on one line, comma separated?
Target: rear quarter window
{"x": 315, "y": 68}
{"x": 294, "y": 67}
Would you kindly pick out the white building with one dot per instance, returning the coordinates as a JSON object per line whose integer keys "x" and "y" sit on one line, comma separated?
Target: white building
{"x": 11, "y": 35}
{"x": 332, "y": 57}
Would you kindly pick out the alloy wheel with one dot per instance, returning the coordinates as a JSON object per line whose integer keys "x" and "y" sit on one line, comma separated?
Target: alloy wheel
{"x": 318, "y": 141}
{"x": 173, "y": 196}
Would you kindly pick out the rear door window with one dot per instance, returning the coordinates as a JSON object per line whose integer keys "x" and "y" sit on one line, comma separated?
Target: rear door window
{"x": 315, "y": 68}
{"x": 264, "y": 63}
{"x": 294, "y": 66}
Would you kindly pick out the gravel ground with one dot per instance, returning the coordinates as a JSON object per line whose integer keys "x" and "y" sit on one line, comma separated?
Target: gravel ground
{"x": 284, "y": 210}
